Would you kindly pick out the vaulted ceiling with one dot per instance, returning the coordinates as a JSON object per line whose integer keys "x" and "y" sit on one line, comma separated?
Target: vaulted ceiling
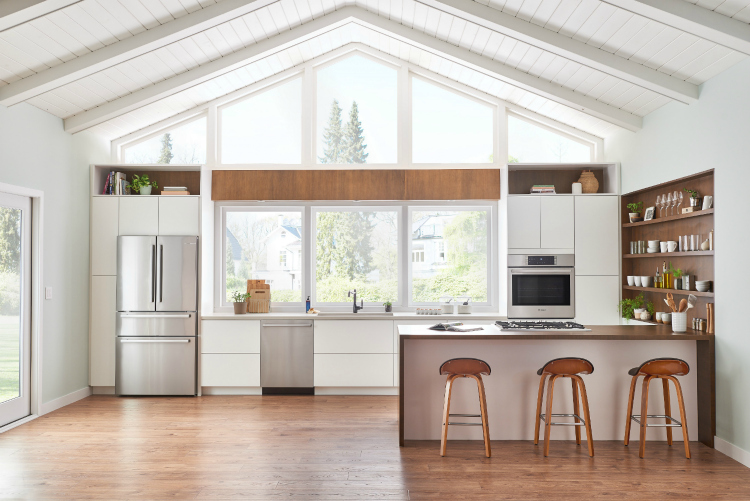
{"x": 116, "y": 66}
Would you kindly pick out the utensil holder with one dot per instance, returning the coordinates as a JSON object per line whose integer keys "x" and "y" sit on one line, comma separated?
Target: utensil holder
{"x": 679, "y": 321}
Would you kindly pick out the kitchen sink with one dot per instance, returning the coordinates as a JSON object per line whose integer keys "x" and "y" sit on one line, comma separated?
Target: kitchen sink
{"x": 351, "y": 314}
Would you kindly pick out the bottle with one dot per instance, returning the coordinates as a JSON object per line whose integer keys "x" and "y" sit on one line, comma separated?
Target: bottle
{"x": 657, "y": 279}
{"x": 666, "y": 282}
{"x": 307, "y": 304}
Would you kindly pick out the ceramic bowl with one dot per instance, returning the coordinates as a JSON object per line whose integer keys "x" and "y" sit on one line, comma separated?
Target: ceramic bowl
{"x": 637, "y": 281}
{"x": 631, "y": 280}
{"x": 652, "y": 251}
{"x": 646, "y": 281}
{"x": 702, "y": 288}
{"x": 653, "y": 243}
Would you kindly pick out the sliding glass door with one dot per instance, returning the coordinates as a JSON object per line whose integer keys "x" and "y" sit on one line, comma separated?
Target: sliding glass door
{"x": 15, "y": 308}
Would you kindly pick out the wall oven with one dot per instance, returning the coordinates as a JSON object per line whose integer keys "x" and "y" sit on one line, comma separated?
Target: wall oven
{"x": 541, "y": 286}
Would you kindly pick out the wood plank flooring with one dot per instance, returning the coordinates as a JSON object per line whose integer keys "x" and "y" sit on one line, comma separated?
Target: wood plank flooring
{"x": 322, "y": 448}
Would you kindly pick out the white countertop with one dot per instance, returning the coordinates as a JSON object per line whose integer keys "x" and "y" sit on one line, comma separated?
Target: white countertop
{"x": 359, "y": 316}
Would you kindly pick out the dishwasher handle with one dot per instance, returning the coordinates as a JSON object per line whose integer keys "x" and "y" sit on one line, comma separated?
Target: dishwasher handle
{"x": 187, "y": 315}
{"x": 287, "y": 325}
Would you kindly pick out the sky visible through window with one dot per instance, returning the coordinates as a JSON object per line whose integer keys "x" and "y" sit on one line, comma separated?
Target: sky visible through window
{"x": 449, "y": 128}
{"x": 529, "y": 143}
{"x": 373, "y": 86}
{"x": 188, "y": 146}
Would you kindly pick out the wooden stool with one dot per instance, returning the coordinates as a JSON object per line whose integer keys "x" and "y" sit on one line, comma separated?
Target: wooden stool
{"x": 465, "y": 367}
{"x": 564, "y": 367}
{"x": 665, "y": 369}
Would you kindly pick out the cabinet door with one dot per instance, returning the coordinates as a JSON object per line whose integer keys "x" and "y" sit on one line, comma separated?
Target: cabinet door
{"x": 104, "y": 231}
{"x": 353, "y": 336}
{"x": 557, "y": 222}
{"x": 597, "y": 235}
{"x": 596, "y": 300}
{"x": 230, "y": 369}
{"x": 524, "y": 222}
{"x": 230, "y": 336}
{"x": 353, "y": 370}
{"x": 139, "y": 215}
{"x": 179, "y": 215}
{"x": 102, "y": 331}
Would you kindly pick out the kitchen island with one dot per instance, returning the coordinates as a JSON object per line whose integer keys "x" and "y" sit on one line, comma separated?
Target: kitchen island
{"x": 515, "y": 356}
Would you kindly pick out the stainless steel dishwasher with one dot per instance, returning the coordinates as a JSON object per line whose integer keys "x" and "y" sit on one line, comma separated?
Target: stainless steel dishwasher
{"x": 286, "y": 357}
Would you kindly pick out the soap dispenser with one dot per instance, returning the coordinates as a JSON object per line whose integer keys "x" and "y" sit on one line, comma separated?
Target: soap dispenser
{"x": 307, "y": 304}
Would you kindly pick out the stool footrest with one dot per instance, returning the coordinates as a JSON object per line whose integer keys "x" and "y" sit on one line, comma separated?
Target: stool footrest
{"x": 582, "y": 422}
{"x": 465, "y": 424}
{"x": 637, "y": 419}
{"x": 465, "y": 415}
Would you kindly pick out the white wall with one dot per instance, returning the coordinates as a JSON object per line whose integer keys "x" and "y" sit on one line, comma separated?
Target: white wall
{"x": 36, "y": 153}
{"x": 678, "y": 140}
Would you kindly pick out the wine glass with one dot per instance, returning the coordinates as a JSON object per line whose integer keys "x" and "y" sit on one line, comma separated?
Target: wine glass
{"x": 658, "y": 203}
{"x": 669, "y": 202}
{"x": 678, "y": 196}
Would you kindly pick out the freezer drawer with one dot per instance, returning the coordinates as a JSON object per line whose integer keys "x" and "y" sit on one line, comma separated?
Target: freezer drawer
{"x": 286, "y": 354}
{"x": 175, "y": 324}
{"x": 156, "y": 366}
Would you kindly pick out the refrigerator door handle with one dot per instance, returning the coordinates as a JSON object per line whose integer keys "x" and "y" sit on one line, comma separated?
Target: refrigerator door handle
{"x": 154, "y": 340}
{"x": 187, "y": 315}
{"x": 153, "y": 273}
{"x": 161, "y": 273}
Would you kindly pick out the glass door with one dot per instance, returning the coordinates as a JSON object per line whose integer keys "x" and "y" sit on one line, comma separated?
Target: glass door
{"x": 15, "y": 308}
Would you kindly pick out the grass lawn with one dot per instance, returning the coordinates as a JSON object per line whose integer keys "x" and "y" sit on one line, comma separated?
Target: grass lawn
{"x": 8, "y": 358}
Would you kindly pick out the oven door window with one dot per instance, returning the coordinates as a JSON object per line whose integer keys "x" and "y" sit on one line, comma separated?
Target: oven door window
{"x": 541, "y": 290}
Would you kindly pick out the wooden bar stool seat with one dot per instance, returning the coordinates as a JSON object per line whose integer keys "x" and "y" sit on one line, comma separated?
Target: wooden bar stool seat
{"x": 665, "y": 369}
{"x": 552, "y": 370}
{"x": 471, "y": 368}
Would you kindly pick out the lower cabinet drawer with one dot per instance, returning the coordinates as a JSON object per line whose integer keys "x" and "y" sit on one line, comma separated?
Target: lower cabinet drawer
{"x": 354, "y": 369}
{"x": 230, "y": 369}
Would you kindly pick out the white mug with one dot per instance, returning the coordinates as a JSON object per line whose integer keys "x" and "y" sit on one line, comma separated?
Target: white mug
{"x": 672, "y": 246}
{"x": 637, "y": 281}
{"x": 663, "y": 246}
{"x": 707, "y": 202}
{"x": 631, "y": 280}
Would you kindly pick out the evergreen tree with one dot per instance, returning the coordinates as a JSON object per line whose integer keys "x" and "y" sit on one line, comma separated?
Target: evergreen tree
{"x": 354, "y": 139}
{"x": 343, "y": 244}
{"x": 230, "y": 260}
{"x": 10, "y": 240}
{"x": 333, "y": 137}
{"x": 165, "y": 155}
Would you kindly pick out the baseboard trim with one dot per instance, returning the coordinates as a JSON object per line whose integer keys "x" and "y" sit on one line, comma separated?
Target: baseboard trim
{"x": 731, "y": 450}
{"x": 231, "y": 390}
{"x": 68, "y": 399}
{"x": 102, "y": 390}
{"x": 17, "y": 423}
{"x": 354, "y": 390}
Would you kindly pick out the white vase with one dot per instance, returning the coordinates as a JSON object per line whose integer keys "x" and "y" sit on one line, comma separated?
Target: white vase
{"x": 145, "y": 190}
{"x": 679, "y": 321}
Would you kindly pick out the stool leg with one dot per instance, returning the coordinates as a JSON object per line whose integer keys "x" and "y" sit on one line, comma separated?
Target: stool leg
{"x": 446, "y": 412}
{"x": 548, "y": 417}
{"x": 667, "y": 409}
{"x": 483, "y": 411}
{"x": 586, "y": 415}
{"x": 539, "y": 401}
{"x": 683, "y": 418}
{"x": 628, "y": 419}
{"x": 576, "y": 410}
{"x": 644, "y": 412}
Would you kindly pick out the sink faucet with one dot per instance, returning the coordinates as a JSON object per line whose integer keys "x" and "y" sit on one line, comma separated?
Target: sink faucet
{"x": 356, "y": 308}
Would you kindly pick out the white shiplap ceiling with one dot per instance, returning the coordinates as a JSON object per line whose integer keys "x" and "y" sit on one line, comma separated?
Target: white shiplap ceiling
{"x": 116, "y": 66}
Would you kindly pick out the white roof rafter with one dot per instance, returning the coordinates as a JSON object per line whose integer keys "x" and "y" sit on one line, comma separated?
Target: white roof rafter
{"x": 15, "y": 12}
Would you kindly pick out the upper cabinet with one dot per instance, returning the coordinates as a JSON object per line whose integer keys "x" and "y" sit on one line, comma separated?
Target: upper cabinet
{"x": 159, "y": 215}
{"x": 139, "y": 215}
{"x": 541, "y": 222}
{"x": 597, "y": 235}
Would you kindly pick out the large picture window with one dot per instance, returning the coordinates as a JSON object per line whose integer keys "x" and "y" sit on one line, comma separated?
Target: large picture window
{"x": 529, "y": 142}
{"x": 409, "y": 254}
{"x": 183, "y": 144}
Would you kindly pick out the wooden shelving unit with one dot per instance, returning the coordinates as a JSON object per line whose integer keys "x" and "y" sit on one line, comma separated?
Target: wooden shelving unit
{"x": 522, "y": 176}
{"x": 699, "y": 265}
{"x": 164, "y": 175}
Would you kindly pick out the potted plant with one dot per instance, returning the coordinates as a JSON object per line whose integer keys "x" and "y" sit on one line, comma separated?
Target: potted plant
{"x": 388, "y": 306}
{"x": 649, "y": 313}
{"x": 141, "y": 184}
{"x": 693, "y": 197}
{"x": 677, "y": 275}
{"x": 240, "y": 302}
{"x": 635, "y": 209}
{"x": 627, "y": 307}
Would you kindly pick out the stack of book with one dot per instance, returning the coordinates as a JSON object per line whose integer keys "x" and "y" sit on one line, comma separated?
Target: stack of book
{"x": 175, "y": 190}
{"x": 116, "y": 184}
{"x": 544, "y": 189}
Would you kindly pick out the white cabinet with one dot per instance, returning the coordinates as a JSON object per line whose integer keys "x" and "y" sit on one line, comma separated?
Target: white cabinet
{"x": 179, "y": 215}
{"x": 230, "y": 336}
{"x": 102, "y": 331}
{"x": 139, "y": 215}
{"x": 104, "y": 231}
{"x": 367, "y": 369}
{"x": 597, "y": 235}
{"x": 353, "y": 336}
{"x": 596, "y": 300}
{"x": 524, "y": 229}
{"x": 230, "y": 369}
{"x": 557, "y": 222}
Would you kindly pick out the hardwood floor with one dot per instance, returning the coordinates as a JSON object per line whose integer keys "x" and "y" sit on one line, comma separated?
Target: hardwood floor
{"x": 282, "y": 447}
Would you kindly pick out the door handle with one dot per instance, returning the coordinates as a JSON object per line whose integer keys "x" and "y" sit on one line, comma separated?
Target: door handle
{"x": 154, "y": 340}
{"x": 286, "y": 325}
{"x": 161, "y": 273}
{"x": 157, "y": 316}
{"x": 153, "y": 273}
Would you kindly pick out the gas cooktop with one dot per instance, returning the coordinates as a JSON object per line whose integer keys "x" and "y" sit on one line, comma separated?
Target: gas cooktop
{"x": 524, "y": 325}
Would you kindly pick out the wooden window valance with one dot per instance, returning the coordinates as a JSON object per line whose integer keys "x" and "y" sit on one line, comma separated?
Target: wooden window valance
{"x": 381, "y": 184}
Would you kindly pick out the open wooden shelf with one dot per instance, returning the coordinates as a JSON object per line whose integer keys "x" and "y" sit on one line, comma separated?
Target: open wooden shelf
{"x": 667, "y": 219}
{"x": 677, "y": 292}
{"x": 665, "y": 255}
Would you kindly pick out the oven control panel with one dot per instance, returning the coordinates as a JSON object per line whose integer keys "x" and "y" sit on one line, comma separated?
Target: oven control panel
{"x": 541, "y": 260}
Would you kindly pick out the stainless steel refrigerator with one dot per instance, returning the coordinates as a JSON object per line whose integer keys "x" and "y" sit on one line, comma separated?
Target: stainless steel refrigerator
{"x": 157, "y": 324}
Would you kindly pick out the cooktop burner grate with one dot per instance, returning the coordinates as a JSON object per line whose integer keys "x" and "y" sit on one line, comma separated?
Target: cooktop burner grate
{"x": 534, "y": 325}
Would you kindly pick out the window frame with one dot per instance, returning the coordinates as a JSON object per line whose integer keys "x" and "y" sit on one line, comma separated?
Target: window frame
{"x": 172, "y": 126}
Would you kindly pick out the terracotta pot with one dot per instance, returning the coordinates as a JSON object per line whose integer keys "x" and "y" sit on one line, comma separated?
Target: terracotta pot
{"x": 588, "y": 182}
{"x": 240, "y": 308}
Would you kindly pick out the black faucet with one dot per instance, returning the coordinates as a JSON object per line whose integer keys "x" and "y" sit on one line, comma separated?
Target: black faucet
{"x": 356, "y": 308}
